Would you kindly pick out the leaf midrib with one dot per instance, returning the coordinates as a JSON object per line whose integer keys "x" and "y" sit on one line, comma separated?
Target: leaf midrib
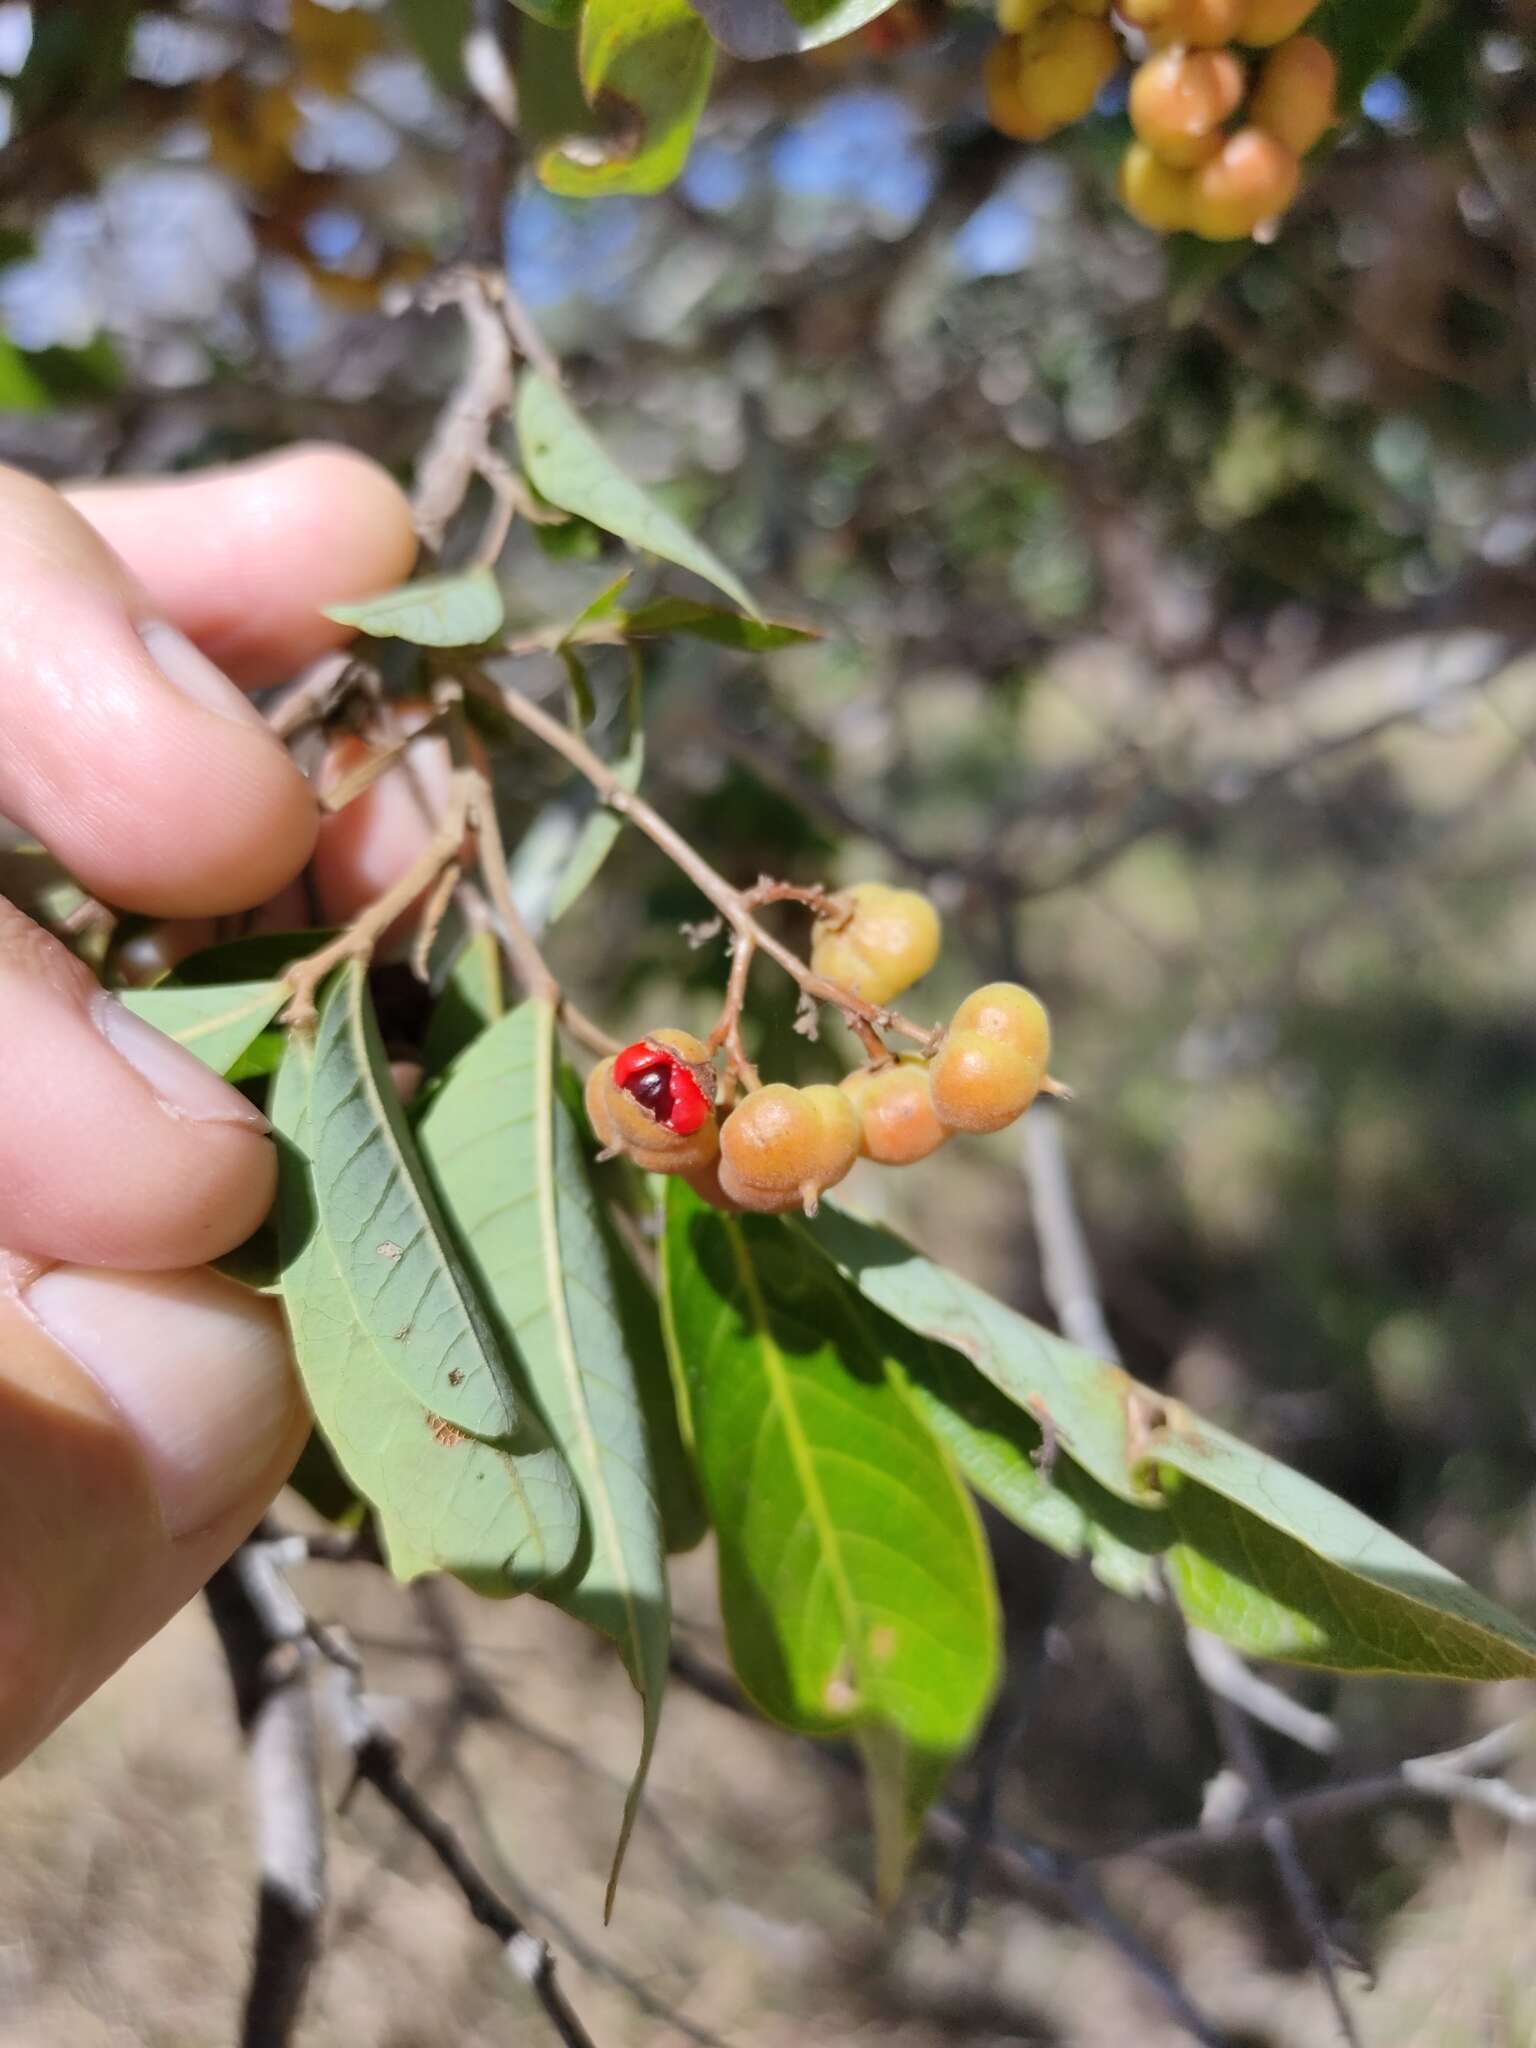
{"x": 565, "y": 1340}
{"x": 801, "y": 1455}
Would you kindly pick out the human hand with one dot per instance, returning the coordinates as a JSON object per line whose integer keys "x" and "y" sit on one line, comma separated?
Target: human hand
{"x": 148, "y": 1408}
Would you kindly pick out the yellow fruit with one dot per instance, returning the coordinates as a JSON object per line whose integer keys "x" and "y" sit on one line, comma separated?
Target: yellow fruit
{"x": 1179, "y": 101}
{"x": 1202, "y": 24}
{"x": 879, "y": 941}
{"x": 980, "y": 1084}
{"x": 1253, "y": 179}
{"x": 1010, "y": 1013}
{"x": 1294, "y": 98}
{"x": 894, "y": 1104}
{"x": 1015, "y": 16}
{"x": 1266, "y": 22}
{"x": 782, "y": 1147}
{"x": 1050, "y": 78}
{"x": 1153, "y": 192}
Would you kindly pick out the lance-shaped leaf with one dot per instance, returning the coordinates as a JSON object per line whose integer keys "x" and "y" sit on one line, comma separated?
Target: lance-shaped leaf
{"x": 855, "y": 1586}
{"x": 217, "y": 1023}
{"x": 504, "y": 1516}
{"x": 569, "y": 466}
{"x": 1002, "y": 1452}
{"x": 645, "y": 67}
{"x": 437, "y": 611}
{"x": 505, "y": 1154}
{"x": 778, "y": 28}
{"x": 1263, "y": 1557}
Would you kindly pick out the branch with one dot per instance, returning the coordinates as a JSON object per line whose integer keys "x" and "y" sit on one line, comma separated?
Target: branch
{"x": 1067, "y": 1269}
{"x": 261, "y": 1630}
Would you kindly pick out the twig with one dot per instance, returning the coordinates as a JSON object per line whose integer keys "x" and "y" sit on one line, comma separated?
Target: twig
{"x": 363, "y": 934}
{"x": 1279, "y": 1838}
{"x": 376, "y": 1762}
{"x": 1020, "y": 1866}
{"x": 868, "y": 1019}
{"x": 261, "y": 1629}
{"x": 1221, "y": 1670}
{"x": 1067, "y": 1270}
{"x": 1446, "y": 1778}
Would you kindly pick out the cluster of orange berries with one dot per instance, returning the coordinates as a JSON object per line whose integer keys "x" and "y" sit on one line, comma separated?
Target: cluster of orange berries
{"x": 1217, "y": 153}
{"x": 782, "y": 1147}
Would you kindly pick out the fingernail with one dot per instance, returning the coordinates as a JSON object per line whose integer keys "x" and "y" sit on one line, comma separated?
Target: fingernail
{"x": 196, "y": 1366}
{"x": 190, "y": 670}
{"x": 182, "y": 1084}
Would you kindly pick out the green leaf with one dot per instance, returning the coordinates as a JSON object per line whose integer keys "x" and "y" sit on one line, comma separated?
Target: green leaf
{"x": 438, "y": 611}
{"x": 599, "y": 609}
{"x": 375, "y": 1319}
{"x": 650, "y": 61}
{"x": 473, "y": 997}
{"x": 1264, "y": 1557}
{"x": 21, "y": 389}
{"x": 505, "y": 1155}
{"x": 1282, "y": 1568}
{"x": 854, "y": 1582}
{"x": 570, "y": 467}
{"x": 708, "y": 622}
{"x": 438, "y": 28}
{"x": 218, "y": 1023}
{"x": 778, "y": 28}
{"x": 1000, "y": 1450}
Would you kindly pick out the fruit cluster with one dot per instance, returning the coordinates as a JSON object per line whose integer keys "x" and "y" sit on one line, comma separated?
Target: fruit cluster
{"x": 1217, "y": 151}
{"x": 781, "y": 1147}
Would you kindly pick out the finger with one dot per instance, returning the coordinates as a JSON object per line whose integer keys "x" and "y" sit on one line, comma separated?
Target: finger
{"x": 117, "y": 1146}
{"x": 140, "y": 765}
{"x": 243, "y": 559}
{"x": 145, "y": 1422}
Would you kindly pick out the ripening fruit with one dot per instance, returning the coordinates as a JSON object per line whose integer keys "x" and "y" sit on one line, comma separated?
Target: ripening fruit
{"x": 782, "y": 1147}
{"x": 894, "y": 1105}
{"x": 1180, "y": 100}
{"x": 656, "y": 1101}
{"x": 981, "y": 1085}
{"x": 1153, "y": 192}
{"x": 889, "y": 939}
{"x": 1049, "y": 78}
{"x": 1201, "y": 24}
{"x": 1015, "y": 16}
{"x": 993, "y": 1059}
{"x": 1293, "y": 100}
{"x": 1267, "y": 22}
{"x": 1253, "y": 179}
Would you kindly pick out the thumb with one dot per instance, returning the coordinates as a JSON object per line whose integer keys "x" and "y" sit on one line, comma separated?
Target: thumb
{"x": 146, "y": 1419}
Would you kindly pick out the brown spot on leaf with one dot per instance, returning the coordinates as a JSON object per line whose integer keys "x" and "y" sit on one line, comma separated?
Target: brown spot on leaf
{"x": 883, "y": 1643}
{"x": 389, "y": 1250}
{"x": 455, "y": 1377}
{"x": 445, "y": 1432}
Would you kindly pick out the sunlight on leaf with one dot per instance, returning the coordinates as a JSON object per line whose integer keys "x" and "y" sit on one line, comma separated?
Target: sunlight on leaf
{"x": 855, "y": 1585}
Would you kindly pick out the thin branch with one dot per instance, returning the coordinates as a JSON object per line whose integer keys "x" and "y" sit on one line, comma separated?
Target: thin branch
{"x": 1222, "y": 1670}
{"x": 376, "y": 1762}
{"x": 1067, "y": 1270}
{"x": 866, "y": 1018}
{"x": 1279, "y": 1838}
{"x": 261, "y": 1633}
